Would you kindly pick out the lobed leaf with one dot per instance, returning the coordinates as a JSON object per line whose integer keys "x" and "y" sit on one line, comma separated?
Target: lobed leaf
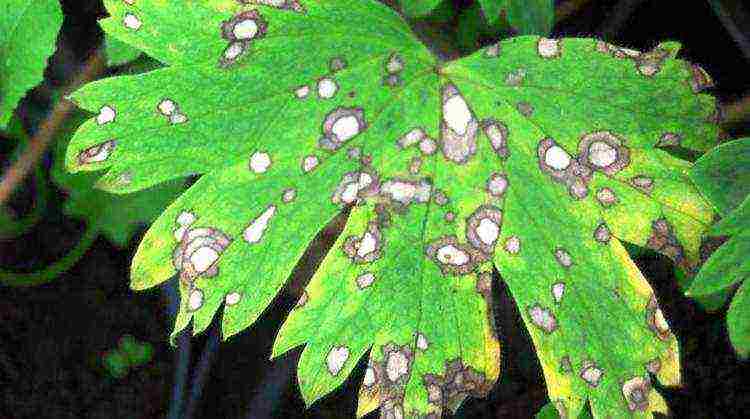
{"x": 28, "y": 30}
{"x": 722, "y": 175}
{"x": 528, "y": 17}
{"x": 534, "y": 157}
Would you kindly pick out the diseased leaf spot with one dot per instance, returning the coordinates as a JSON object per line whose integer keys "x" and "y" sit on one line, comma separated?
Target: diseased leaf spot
{"x": 232, "y": 53}
{"x": 167, "y": 107}
{"x": 428, "y": 146}
{"x": 336, "y": 359}
{"x": 340, "y": 126}
{"x": 492, "y": 51}
{"x": 106, "y": 115}
{"x": 370, "y": 377}
{"x": 700, "y": 80}
{"x": 337, "y": 64}
{"x": 644, "y": 183}
{"x": 395, "y": 64}
{"x": 232, "y": 298}
{"x": 653, "y": 366}
{"x": 513, "y": 245}
{"x": 606, "y": 197}
{"x": 195, "y": 300}
{"x": 184, "y": 220}
{"x": 558, "y": 290}
{"x": 515, "y": 78}
{"x": 497, "y": 184}
{"x": 636, "y": 392}
{"x": 451, "y": 256}
{"x": 244, "y": 27}
{"x": 254, "y": 232}
{"x": 483, "y": 228}
{"x": 327, "y": 88}
{"x": 563, "y": 258}
{"x": 404, "y": 192}
{"x": 132, "y": 21}
{"x": 554, "y": 156}
{"x": 302, "y": 92}
{"x": 309, "y": 163}
{"x": 602, "y": 233}
{"x": 549, "y": 48}
{"x": 422, "y": 342}
{"x": 288, "y": 195}
{"x": 365, "y": 280}
{"x": 669, "y": 139}
{"x": 260, "y": 162}
{"x": 525, "y": 109}
{"x": 397, "y": 362}
{"x": 650, "y": 63}
{"x": 656, "y": 321}
{"x": 355, "y": 185}
{"x": 367, "y": 248}
{"x": 453, "y": 387}
{"x": 440, "y": 198}
{"x": 497, "y": 132}
{"x": 302, "y": 301}
{"x": 410, "y": 138}
{"x": 542, "y": 318}
{"x": 292, "y": 5}
{"x": 459, "y": 127}
{"x": 565, "y": 365}
{"x": 97, "y": 153}
{"x": 198, "y": 252}
{"x": 604, "y": 151}
{"x": 591, "y": 374}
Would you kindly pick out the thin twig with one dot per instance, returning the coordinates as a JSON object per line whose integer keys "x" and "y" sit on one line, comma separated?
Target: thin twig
{"x": 200, "y": 376}
{"x": 182, "y": 361}
{"x": 617, "y": 18}
{"x": 729, "y": 21}
{"x": 16, "y": 174}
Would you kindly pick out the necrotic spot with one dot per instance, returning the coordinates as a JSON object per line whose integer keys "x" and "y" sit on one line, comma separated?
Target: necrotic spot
{"x": 254, "y": 232}
{"x": 97, "y": 153}
{"x": 341, "y": 125}
{"x": 604, "y": 151}
{"x": 483, "y": 228}
{"x": 336, "y": 359}
{"x": 458, "y": 127}
{"x": 542, "y": 318}
{"x": 563, "y": 257}
{"x": 327, "y": 88}
{"x": 549, "y": 48}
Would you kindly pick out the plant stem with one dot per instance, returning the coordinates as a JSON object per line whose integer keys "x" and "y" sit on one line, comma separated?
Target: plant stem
{"x": 182, "y": 360}
{"x": 200, "y": 376}
{"x": 15, "y": 175}
{"x": 17, "y": 279}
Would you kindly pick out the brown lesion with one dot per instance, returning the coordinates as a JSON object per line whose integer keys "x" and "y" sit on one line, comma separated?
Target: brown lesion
{"x": 664, "y": 241}
{"x": 459, "y": 381}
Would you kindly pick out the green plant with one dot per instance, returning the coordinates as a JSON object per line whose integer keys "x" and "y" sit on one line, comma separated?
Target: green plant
{"x": 723, "y": 176}
{"x": 533, "y": 158}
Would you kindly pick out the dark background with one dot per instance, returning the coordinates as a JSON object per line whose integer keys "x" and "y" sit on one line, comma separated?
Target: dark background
{"x": 52, "y": 337}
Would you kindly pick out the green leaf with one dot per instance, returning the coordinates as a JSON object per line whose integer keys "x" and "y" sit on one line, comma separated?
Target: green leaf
{"x": 116, "y": 216}
{"x": 737, "y": 320}
{"x": 538, "y": 164}
{"x": 28, "y": 30}
{"x": 418, "y": 8}
{"x": 723, "y": 175}
{"x": 528, "y": 17}
{"x": 118, "y": 52}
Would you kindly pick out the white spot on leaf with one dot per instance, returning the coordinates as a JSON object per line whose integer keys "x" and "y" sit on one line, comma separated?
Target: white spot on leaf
{"x": 336, "y": 359}
{"x": 106, "y": 115}
{"x": 232, "y": 298}
{"x": 132, "y": 21}
{"x": 260, "y": 162}
{"x": 327, "y": 88}
{"x": 254, "y": 232}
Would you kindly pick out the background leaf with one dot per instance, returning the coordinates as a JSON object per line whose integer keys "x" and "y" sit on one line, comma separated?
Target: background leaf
{"x": 418, "y": 8}
{"x": 117, "y": 216}
{"x": 28, "y": 30}
{"x": 118, "y": 52}
{"x": 537, "y": 164}
{"x": 723, "y": 176}
{"x": 527, "y": 17}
